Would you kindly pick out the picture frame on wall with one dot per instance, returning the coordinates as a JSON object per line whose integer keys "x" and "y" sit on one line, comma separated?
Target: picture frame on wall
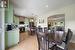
{"x": 6, "y": 3}
{"x": 41, "y": 20}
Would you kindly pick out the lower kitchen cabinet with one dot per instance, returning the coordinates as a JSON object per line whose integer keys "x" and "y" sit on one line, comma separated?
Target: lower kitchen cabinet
{"x": 12, "y": 37}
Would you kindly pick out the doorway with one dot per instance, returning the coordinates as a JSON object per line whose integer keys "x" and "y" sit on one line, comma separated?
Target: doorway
{"x": 56, "y": 21}
{"x": 26, "y": 24}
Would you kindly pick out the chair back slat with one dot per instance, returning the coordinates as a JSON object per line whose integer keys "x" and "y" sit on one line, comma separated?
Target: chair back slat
{"x": 68, "y": 36}
{"x": 41, "y": 39}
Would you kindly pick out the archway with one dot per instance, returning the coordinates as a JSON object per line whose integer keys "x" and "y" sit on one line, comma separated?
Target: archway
{"x": 57, "y": 20}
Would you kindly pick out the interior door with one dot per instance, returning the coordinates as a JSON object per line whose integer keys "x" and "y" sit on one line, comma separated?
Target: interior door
{"x": 2, "y": 45}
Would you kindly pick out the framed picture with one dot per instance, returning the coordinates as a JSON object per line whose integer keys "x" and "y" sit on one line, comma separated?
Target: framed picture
{"x": 6, "y": 3}
{"x": 41, "y": 20}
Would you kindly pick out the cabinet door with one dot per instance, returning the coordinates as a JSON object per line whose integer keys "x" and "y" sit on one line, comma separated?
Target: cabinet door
{"x": 9, "y": 12}
{"x": 16, "y": 36}
{"x": 12, "y": 37}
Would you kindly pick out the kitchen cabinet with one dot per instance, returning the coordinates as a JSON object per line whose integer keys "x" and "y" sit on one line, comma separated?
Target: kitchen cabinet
{"x": 12, "y": 37}
{"x": 9, "y": 13}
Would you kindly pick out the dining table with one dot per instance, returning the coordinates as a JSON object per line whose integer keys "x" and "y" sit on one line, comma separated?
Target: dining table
{"x": 55, "y": 38}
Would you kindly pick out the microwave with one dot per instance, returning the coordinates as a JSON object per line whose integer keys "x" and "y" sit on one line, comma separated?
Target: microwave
{"x": 11, "y": 27}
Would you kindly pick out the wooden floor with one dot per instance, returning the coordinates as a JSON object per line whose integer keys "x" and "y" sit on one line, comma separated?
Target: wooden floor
{"x": 30, "y": 43}
{"x": 71, "y": 46}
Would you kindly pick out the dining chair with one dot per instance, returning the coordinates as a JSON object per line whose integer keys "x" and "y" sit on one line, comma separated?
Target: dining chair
{"x": 41, "y": 39}
{"x": 45, "y": 30}
{"x": 51, "y": 38}
{"x": 65, "y": 43}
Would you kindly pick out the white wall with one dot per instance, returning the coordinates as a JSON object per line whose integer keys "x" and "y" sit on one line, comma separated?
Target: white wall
{"x": 2, "y": 32}
{"x": 69, "y": 12}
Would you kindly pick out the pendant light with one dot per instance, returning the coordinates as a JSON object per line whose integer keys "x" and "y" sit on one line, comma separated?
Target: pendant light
{"x": 3, "y": 4}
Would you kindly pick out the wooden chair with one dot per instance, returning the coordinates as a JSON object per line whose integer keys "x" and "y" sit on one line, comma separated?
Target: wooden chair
{"x": 41, "y": 39}
{"x": 65, "y": 43}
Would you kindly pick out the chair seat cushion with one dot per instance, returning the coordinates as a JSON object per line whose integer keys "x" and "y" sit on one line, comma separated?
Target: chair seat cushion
{"x": 62, "y": 46}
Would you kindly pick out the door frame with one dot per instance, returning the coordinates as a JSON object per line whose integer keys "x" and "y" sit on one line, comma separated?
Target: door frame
{"x": 2, "y": 28}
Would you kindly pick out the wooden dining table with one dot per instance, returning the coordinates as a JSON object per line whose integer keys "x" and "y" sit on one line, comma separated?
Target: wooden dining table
{"x": 56, "y": 38}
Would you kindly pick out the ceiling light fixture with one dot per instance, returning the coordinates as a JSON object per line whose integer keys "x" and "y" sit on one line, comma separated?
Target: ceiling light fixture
{"x": 3, "y": 4}
{"x": 46, "y": 6}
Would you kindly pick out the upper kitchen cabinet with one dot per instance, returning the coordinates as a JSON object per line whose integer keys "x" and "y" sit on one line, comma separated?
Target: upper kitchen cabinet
{"x": 9, "y": 12}
{"x": 16, "y": 20}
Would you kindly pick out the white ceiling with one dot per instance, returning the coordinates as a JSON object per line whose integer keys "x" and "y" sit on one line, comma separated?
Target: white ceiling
{"x": 38, "y": 7}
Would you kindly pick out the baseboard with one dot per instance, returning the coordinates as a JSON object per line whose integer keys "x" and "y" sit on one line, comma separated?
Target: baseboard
{"x": 72, "y": 41}
{"x": 10, "y": 46}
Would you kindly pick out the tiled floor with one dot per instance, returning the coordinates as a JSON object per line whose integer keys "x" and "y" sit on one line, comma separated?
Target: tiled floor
{"x": 30, "y": 43}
